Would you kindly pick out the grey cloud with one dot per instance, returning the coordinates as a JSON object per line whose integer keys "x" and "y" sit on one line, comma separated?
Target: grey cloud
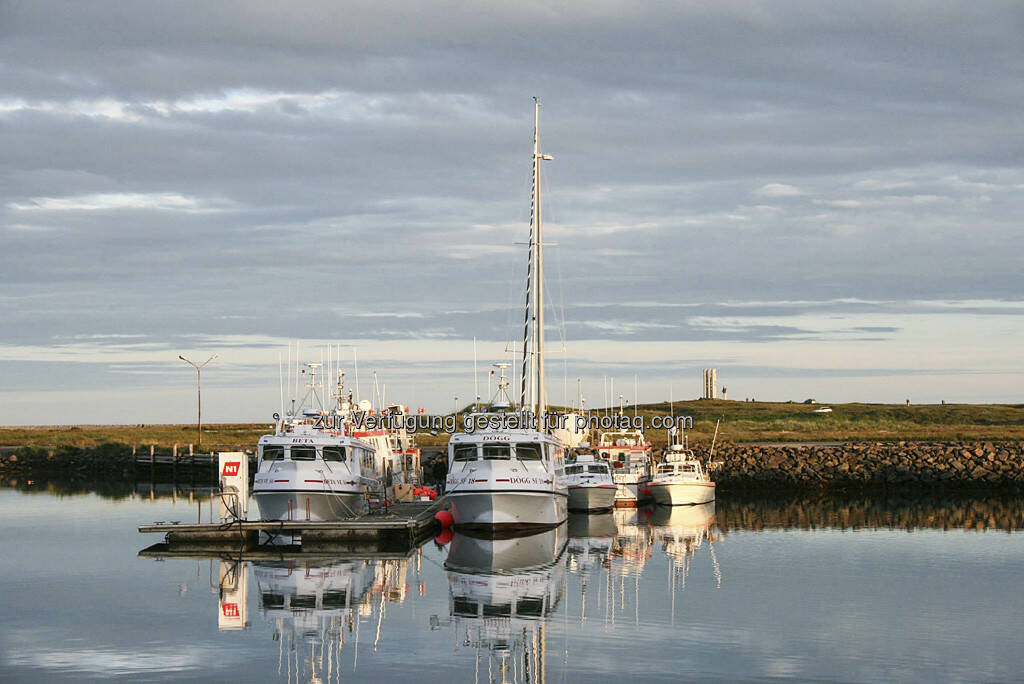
{"x": 375, "y": 160}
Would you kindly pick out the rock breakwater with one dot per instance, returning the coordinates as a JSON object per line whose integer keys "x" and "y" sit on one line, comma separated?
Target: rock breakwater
{"x": 879, "y": 462}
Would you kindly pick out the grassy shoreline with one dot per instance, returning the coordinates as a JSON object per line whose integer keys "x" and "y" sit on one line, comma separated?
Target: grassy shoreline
{"x": 741, "y": 422}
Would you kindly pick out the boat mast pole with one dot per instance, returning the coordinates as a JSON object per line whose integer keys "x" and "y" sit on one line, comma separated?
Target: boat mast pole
{"x": 529, "y": 331}
{"x": 539, "y": 290}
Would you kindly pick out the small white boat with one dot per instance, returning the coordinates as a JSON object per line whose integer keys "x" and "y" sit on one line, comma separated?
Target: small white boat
{"x": 590, "y": 484}
{"x": 629, "y": 455}
{"x": 681, "y": 480}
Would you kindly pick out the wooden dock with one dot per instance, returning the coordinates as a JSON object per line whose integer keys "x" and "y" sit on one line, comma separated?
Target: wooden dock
{"x": 404, "y": 526}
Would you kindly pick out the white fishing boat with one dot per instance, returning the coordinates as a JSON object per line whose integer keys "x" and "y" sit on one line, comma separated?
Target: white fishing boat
{"x": 508, "y": 471}
{"x": 629, "y": 455}
{"x": 406, "y": 454}
{"x": 506, "y": 479}
{"x": 590, "y": 484}
{"x": 681, "y": 480}
{"x": 316, "y": 466}
{"x": 307, "y": 474}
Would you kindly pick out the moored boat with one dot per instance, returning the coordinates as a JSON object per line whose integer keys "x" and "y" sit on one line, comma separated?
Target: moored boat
{"x": 681, "y": 480}
{"x": 320, "y": 465}
{"x": 629, "y": 455}
{"x": 506, "y": 479}
{"x": 307, "y": 474}
{"x": 590, "y": 484}
{"x": 510, "y": 474}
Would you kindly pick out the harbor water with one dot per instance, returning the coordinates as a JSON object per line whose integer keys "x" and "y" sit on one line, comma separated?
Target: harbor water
{"x": 865, "y": 589}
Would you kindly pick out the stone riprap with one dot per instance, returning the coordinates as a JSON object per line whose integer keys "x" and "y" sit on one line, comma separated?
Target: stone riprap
{"x": 880, "y": 462}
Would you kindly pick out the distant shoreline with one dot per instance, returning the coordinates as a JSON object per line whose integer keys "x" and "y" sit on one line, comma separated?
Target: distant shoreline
{"x": 741, "y": 422}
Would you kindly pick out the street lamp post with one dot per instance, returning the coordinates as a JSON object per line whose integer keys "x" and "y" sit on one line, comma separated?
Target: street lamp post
{"x": 199, "y": 394}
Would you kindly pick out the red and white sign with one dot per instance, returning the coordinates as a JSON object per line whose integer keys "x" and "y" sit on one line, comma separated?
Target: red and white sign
{"x": 230, "y": 469}
{"x": 230, "y": 610}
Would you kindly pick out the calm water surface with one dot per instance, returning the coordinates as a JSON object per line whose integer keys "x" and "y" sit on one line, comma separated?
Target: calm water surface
{"x": 806, "y": 590}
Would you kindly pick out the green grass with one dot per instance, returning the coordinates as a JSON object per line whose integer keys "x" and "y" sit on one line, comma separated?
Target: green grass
{"x": 741, "y": 422}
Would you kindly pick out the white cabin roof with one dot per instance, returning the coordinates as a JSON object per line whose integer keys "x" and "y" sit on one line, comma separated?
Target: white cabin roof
{"x": 502, "y": 436}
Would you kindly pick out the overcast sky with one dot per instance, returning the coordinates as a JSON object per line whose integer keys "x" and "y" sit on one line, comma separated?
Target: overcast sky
{"x": 818, "y": 199}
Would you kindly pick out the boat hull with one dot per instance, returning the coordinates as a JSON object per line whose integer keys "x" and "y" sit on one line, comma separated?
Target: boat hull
{"x": 682, "y": 493}
{"x": 309, "y": 506}
{"x": 508, "y": 509}
{"x": 594, "y": 498}
{"x": 629, "y": 494}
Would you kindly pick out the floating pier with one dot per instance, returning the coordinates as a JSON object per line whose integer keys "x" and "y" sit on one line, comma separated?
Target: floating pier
{"x": 403, "y": 526}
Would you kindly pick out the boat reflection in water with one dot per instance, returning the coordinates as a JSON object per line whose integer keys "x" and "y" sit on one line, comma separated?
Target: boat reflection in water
{"x": 316, "y": 607}
{"x": 591, "y": 537}
{"x": 682, "y": 531}
{"x": 501, "y": 592}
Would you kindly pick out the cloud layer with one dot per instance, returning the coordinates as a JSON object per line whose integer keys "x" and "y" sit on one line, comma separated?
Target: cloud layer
{"x": 360, "y": 172}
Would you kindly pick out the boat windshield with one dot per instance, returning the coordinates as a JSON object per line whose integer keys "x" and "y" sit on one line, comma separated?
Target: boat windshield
{"x": 334, "y": 454}
{"x": 273, "y": 453}
{"x": 465, "y": 453}
{"x": 497, "y": 452}
{"x": 597, "y": 469}
{"x": 528, "y": 452}
{"x": 303, "y": 453}
{"x": 573, "y": 470}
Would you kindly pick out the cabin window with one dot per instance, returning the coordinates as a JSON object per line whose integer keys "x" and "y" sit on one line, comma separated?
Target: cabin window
{"x": 273, "y": 453}
{"x": 530, "y": 607}
{"x": 464, "y": 607}
{"x": 497, "y": 610}
{"x": 272, "y": 600}
{"x": 573, "y": 470}
{"x": 303, "y": 453}
{"x": 334, "y": 454}
{"x": 528, "y": 452}
{"x": 465, "y": 453}
{"x": 597, "y": 469}
{"x": 303, "y": 602}
{"x": 332, "y": 600}
{"x": 497, "y": 452}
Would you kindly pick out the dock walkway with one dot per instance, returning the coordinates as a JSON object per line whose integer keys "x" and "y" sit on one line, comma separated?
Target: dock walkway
{"x": 404, "y": 525}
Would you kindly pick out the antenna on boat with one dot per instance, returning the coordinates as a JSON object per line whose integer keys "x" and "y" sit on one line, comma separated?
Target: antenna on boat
{"x": 297, "y": 368}
{"x": 355, "y": 367}
{"x": 501, "y": 399}
{"x": 672, "y": 419}
{"x": 476, "y": 379}
{"x": 280, "y": 379}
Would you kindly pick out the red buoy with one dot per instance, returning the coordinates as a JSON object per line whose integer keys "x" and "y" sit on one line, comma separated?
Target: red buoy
{"x": 444, "y": 537}
{"x": 445, "y": 518}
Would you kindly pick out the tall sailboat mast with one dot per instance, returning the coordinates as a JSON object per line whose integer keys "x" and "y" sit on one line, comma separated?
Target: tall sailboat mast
{"x": 537, "y": 158}
{"x": 533, "y": 332}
